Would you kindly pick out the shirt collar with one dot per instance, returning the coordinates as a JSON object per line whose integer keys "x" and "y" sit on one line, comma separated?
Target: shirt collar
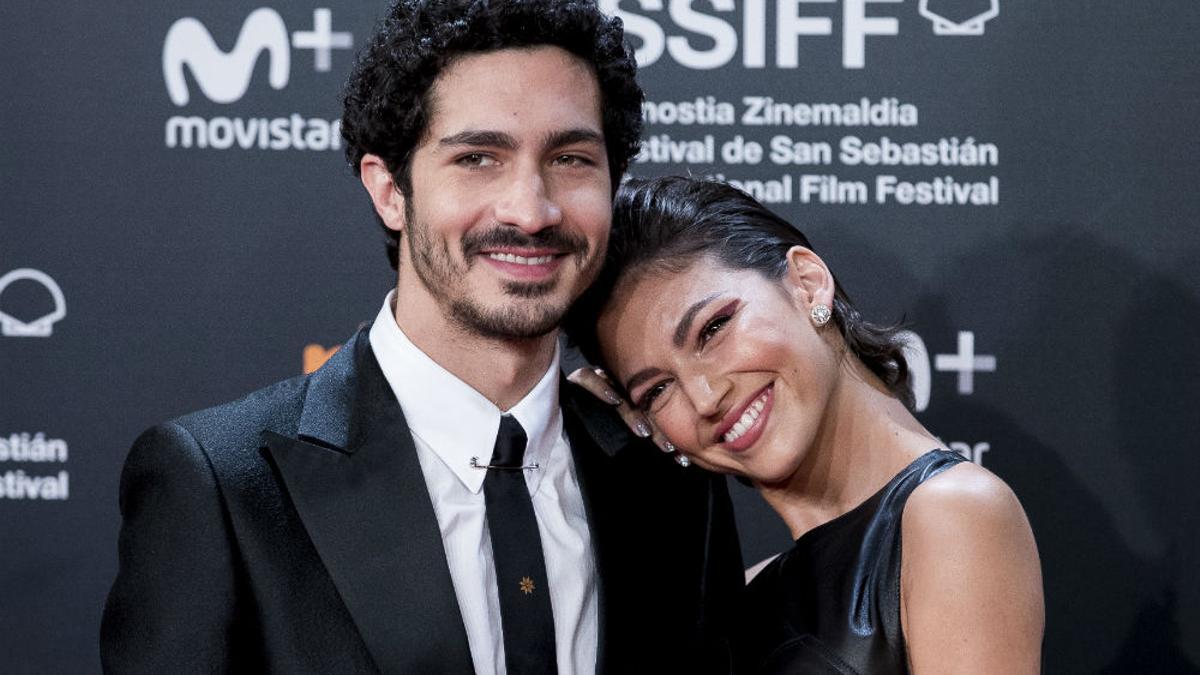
{"x": 457, "y": 422}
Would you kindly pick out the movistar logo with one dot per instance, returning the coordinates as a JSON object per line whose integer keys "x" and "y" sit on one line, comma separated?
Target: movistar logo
{"x": 224, "y": 77}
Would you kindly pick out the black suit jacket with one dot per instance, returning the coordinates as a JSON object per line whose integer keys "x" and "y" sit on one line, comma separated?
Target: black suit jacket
{"x": 291, "y": 531}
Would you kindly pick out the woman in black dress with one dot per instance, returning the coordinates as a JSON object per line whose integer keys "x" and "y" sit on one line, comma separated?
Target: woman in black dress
{"x": 733, "y": 339}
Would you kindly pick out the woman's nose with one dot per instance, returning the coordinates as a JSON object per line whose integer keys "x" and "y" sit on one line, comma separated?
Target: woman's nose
{"x": 707, "y": 394}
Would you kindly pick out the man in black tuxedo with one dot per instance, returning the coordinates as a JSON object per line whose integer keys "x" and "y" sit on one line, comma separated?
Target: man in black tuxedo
{"x": 437, "y": 498}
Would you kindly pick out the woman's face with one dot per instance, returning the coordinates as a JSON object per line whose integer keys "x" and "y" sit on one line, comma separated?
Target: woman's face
{"x": 726, "y": 363}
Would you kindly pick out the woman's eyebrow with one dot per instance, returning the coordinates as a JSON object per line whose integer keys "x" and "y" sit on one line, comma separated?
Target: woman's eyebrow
{"x": 640, "y": 377}
{"x": 685, "y": 322}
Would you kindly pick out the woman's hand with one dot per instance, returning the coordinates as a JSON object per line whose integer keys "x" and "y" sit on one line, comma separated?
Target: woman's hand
{"x": 596, "y": 382}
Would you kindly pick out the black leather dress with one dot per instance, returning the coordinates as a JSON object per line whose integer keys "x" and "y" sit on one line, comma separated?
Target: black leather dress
{"x": 831, "y": 603}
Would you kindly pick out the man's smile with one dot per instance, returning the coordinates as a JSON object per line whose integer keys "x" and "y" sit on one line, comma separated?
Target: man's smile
{"x": 525, "y": 264}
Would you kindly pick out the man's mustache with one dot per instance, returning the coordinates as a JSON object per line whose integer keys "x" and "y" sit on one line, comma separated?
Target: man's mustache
{"x": 510, "y": 237}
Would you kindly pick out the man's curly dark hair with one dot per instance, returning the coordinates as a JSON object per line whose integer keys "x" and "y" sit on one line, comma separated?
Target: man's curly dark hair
{"x": 387, "y": 103}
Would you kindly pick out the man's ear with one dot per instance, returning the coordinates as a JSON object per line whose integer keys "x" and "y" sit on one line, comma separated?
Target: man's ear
{"x": 809, "y": 280}
{"x": 389, "y": 202}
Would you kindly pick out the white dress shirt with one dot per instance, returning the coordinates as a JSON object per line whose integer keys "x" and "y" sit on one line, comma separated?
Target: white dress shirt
{"x": 451, "y": 423}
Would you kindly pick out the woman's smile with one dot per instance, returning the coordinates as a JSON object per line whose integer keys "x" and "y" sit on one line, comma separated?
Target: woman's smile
{"x": 744, "y": 424}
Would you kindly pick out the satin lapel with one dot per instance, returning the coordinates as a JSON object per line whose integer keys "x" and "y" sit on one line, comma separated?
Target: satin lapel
{"x": 355, "y": 480}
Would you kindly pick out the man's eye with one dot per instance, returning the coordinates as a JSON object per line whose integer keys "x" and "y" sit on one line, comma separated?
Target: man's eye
{"x": 652, "y": 394}
{"x": 712, "y": 327}
{"x": 572, "y": 160}
{"x": 476, "y": 159}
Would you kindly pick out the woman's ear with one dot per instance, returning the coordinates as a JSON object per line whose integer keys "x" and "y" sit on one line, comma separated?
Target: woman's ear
{"x": 808, "y": 279}
{"x": 388, "y": 200}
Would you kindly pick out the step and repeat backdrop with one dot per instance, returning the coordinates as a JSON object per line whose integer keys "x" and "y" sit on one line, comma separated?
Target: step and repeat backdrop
{"x": 1015, "y": 180}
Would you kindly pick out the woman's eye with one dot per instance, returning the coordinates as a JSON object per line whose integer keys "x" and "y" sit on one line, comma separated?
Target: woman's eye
{"x": 710, "y": 329}
{"x": 652, "y": 394}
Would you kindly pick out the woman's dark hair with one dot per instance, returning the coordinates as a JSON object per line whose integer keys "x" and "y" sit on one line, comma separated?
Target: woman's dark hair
{"x": 387, "y": 103}
{"x": 666, "y": 224}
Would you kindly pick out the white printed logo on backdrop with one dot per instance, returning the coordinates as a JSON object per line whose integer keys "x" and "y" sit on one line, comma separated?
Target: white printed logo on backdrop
{"x": 796, "y": 24}
{"x": 225, "y": 77}
{"x": 34, "y": 449}
{"x": 783, "y": 148}
{"x": 971, "y": 26}
{"x": 42, "y": 326}
{"x": 964, "y": 363}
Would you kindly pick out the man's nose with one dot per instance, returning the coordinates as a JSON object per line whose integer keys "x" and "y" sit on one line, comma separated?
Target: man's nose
{"x": 526, "y": 203}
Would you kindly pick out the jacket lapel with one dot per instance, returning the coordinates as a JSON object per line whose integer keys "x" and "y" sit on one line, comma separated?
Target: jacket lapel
{"x": 596, "y": 436}
{"x": 354, "y": 478}
{"x": 651, "y": 528}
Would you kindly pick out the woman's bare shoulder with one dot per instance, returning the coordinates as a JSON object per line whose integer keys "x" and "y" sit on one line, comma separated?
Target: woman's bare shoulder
{"x": 965, "y": 495}
{"x": 971, "y": 586}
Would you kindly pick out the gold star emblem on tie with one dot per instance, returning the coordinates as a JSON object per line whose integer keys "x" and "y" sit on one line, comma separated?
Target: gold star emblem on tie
{"x": 527, "y": 585}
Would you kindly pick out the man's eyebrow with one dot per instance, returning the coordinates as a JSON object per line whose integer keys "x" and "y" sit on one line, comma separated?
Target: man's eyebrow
{"x": 558, "y": 139}
{"x": 492, "y": 139}
{"x": 685, "y": 322}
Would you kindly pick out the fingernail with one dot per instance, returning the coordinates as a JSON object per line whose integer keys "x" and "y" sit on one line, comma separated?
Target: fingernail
{"x": 642, "y": 429}
{"x": 611, "y": 397}
{"x": 600, "y": 372}
{"x": 669, "y": 447}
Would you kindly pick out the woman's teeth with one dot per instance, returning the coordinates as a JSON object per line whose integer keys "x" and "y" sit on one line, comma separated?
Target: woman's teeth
{"x": 747, "y": 419}
{"x": 520, "y": 259}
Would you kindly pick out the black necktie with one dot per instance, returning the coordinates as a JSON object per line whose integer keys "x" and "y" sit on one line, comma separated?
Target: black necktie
{"x": 525, "y": 614}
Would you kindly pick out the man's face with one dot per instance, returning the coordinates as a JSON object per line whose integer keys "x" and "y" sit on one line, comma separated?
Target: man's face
{"x": 510, "y": 206}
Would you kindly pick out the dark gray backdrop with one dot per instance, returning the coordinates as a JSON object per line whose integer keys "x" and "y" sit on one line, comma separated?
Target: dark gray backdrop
{"x": 193, "y": 274}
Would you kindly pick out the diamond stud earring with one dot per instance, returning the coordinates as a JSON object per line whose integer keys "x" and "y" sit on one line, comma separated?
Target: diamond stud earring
{"x": 820, "y": 314}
